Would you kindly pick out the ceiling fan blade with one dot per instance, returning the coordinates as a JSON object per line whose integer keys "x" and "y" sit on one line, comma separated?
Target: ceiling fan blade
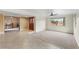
{"x": 54, "y": 14}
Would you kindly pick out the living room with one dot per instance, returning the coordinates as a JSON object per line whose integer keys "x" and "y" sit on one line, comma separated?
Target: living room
{"x": 49, "y": 26}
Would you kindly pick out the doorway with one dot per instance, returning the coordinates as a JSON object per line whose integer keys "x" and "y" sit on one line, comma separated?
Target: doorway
{"x": 31, "y": 23}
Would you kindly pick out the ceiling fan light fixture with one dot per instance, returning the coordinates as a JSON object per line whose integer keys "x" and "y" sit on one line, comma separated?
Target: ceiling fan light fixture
{"x": 51, "y": 14}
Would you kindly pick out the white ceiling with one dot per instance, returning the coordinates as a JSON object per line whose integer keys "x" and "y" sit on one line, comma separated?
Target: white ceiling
{"x": 35, "y": 12}
{"x": 66, "y": 11}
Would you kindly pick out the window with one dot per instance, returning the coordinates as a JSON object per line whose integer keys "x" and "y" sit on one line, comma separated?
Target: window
{"x": 56, "y": 21}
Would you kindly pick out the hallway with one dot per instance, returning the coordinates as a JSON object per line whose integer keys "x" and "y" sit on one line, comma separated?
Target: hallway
{"x": 40, "y": 40}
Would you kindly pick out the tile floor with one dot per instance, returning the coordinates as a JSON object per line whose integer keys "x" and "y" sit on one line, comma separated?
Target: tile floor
{"x": 40, "y": 40}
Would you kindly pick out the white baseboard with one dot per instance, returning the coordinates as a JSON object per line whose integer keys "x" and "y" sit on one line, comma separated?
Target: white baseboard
{"x": 1, "y": 32}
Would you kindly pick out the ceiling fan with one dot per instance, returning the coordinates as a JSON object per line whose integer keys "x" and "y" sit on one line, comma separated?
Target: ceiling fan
{"x": 52, "y": 13}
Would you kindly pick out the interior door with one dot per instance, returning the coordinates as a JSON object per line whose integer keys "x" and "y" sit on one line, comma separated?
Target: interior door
{"x": 31, "y": 23}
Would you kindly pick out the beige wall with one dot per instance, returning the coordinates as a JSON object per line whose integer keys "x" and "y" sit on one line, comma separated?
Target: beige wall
{"x": 23, "y": 24}
{"x": 1, "y": 24}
